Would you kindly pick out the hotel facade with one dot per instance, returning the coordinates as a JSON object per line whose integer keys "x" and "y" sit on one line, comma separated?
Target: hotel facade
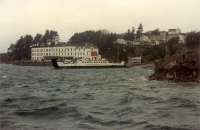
{"x": 42, "y": 53}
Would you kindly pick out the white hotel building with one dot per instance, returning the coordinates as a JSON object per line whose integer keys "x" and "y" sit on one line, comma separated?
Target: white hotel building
{"x": 40, "y": 53}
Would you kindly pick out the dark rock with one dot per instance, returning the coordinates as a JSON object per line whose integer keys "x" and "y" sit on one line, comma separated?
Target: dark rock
{"x": 179, "y": 68}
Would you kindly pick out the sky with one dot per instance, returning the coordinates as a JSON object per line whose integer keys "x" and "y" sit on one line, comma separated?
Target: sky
{"x": 21, "y": 17}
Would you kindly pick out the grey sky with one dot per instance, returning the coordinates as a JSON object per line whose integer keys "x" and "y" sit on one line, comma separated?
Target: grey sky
{"x": 20, "y": 17}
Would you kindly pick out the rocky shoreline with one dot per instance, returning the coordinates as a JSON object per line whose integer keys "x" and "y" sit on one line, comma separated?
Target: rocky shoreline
{"x": 179, "y": 68}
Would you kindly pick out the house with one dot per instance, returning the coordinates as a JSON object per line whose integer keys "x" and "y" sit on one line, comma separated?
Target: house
{"x": 173, "y": 33}
{"x": 164, "y": 36}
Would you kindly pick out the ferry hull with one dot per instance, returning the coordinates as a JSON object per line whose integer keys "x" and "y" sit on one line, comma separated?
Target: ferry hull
{"x": 56, "y": 65}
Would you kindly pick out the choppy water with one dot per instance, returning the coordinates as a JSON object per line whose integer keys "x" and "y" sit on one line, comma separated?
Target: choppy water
{"x": 43, "y": 98}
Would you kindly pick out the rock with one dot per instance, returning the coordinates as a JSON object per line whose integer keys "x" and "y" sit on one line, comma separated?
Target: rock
{"x": 179, "y": 68}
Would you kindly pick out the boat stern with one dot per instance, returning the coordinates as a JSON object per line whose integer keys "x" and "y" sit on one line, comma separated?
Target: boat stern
{"x": 54, "y": 63}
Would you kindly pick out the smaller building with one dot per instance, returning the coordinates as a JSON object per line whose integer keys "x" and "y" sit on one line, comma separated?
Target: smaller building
{"x": 174, "y": 31}
{"x": 164, "y": 36}
{"x": 134, "y": 61}
{"x": 121, "y": 41}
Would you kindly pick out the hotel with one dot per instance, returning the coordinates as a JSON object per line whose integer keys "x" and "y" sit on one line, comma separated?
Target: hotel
{"x": 43, "y": 53}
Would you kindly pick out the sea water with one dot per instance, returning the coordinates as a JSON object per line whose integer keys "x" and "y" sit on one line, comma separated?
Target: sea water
{"x": 44, "y": 98}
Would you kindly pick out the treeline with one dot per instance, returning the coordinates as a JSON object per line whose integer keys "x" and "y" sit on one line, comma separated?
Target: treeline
{"x": 193, "y": 40}
{"x": 106, "y": 42}
{"x": 21, "y": 50}
{"x": 103, "y": 40}
{"x": 114, "y": 51}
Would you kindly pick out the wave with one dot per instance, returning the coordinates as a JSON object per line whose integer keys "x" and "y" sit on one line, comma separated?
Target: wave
{"x": 127, "y": 98}
{"x": 130, "y": 96}
{"x": 160, "y": 127}
{"x": 106, "y": 122}
{"x": 4, "y": 76}
{"x": 40, "y": 112}
{"x": 55, "y": 111}
{"x": 15, "y": 100}
{"x": 88, "y": 96}
{"x": 124, "y": 111}
{"x": 182, "y": 102}
{"x": 87, "y": 126}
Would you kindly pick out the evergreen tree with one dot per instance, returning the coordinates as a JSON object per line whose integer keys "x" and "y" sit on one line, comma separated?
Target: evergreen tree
{"x": 37, "y": 40}
{"x": 139, "y": 31}
{"x": 193, "y": 39}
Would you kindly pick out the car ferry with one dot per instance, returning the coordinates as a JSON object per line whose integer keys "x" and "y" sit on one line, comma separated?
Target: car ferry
{"x": 86, "y": 63}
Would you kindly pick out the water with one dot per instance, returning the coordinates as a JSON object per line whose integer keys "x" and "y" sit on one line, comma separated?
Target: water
{"x": 43, "y": 98}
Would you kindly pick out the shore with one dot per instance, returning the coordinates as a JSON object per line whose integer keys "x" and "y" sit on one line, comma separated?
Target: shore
{"x": 31, "y": 63}
{"x": 179, "y": 68}
{"x": 170, "y": 70}
{"x": 28, "y": 63}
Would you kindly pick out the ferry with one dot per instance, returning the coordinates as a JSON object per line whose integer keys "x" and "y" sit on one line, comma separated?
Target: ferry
{"x": 86, "y": 63}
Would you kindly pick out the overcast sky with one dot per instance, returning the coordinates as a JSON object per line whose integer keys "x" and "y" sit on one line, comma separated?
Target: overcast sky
{"x": 20, "y": 17}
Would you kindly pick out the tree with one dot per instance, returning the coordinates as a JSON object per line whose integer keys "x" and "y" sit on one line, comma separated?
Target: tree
{"x": 139, "y": 31}
{"x": 53, "y": 38}
{"x": 44, "y": 40}
{"x": 151, "y": 53}
{"x": 155, "y": 32}
{"x": 22, "y": 48}
{"x": 133, "y": 33}
{"x": 37, "y": 40}
{"x": 104, "y": 41}
{"x": 50, "y": 38}
{"x": 130, "y": 35}
{"x": 193, "y": 39}
{"x": 172, "y": 46}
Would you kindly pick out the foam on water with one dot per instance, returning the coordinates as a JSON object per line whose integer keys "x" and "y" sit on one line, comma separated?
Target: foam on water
{"x": 4, "y": 76}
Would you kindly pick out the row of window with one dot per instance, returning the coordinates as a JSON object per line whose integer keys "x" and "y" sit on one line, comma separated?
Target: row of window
{"x": 57, "y": 49}
{"x": 58, "y": 54}
{"x": 37, "y": 58}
